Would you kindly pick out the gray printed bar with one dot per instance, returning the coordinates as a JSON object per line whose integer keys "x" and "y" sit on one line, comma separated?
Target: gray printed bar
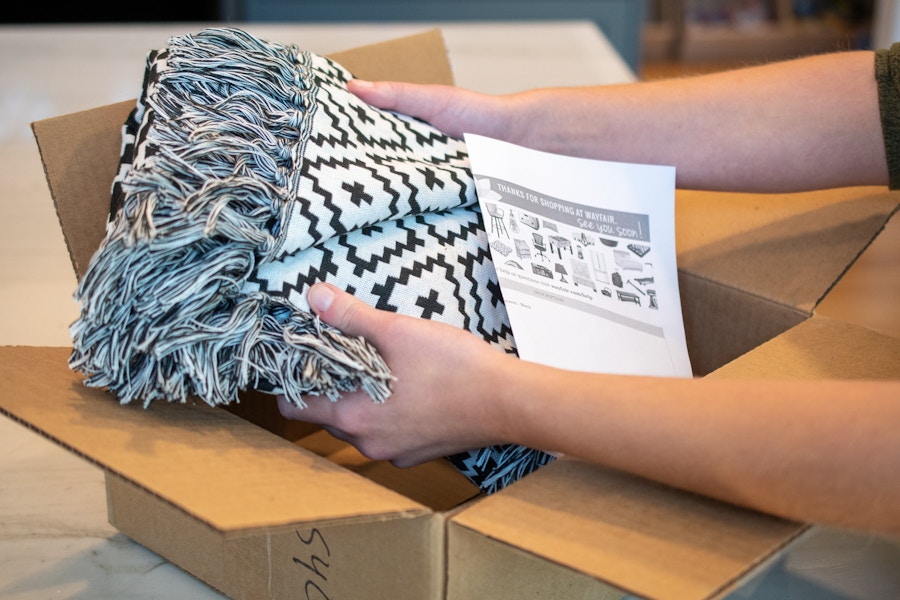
{"x": 602, "y": 221}
{"x": 544, "y": 294}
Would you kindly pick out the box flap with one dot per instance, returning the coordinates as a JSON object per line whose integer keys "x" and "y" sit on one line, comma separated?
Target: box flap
{"x": 818, "y": 348}
{"x": 81, "y": 151}
{"x": 788, "y": 248}
{"x": 752, "y": 266}
{"x": 397, "y": 558}
{"x": 419, "y": 58}
{"x": 206, "y": 461}
{"x": 635, "y": 535}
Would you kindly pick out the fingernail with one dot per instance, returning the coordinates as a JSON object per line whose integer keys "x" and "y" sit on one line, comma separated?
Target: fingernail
{"x": 320, "y": 297}
{"x": 361, "y": 84}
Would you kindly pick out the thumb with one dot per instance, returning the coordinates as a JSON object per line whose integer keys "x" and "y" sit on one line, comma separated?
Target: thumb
{"x": 380, "y": 94}
{"x": 340, "y": 309}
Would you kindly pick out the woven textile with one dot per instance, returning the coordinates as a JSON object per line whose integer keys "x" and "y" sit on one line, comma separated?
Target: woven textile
{"x": 248, "y": 173}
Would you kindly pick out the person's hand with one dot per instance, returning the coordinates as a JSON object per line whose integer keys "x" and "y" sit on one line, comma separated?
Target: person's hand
{"x": 442, "y": 400}
{"x": 452, "y": 110}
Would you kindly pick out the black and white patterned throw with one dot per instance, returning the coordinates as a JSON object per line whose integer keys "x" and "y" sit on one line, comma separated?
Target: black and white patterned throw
{"x": 248, "y": 173}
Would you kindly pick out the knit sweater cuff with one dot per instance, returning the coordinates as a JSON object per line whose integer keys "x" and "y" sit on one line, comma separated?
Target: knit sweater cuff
{"x": 887, "y": 75}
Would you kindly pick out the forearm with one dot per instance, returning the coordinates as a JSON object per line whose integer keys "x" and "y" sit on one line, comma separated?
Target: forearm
{"x": 803, "y": 124}
{"x": 800, "y": 449}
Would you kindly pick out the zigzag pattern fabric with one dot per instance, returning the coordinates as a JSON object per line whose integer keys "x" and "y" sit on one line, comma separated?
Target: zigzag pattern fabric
{"x": 248, "y": 173}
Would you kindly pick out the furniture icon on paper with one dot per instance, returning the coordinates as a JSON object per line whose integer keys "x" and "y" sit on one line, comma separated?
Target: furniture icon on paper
{"x": 541, "y": 270}
{"x": 513, "y": 223}
{"x": 557, "y": 243}
{"x": 628, "y": 297}
{"x": 627, "y": 262}
{"x": 501, "y": 247}
{"x": 496, "y": 213}
{"x": 640, "y": 249}
{"x": 539, "y": 244}
{"x": 598, "y": 264}
{"x": 561, "y": 270}
{"x": 490, "y": 198}
{"x": 523, "y": 250}
{"x": 530, "y": 221}
{"x": 581, "y": 275}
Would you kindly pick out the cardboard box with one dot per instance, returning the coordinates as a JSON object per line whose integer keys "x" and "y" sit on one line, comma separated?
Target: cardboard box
{"x": 258, "y": 507}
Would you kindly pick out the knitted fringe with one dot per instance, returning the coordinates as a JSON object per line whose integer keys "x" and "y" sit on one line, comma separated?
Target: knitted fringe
{"x": 163, "y": 312}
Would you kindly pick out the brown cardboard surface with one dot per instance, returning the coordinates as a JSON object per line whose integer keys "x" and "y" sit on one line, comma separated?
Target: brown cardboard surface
{"x": 819, "y": 348}
{"x": 80, "y": 153}
{"x": 436, "y": 484}
{"x": 205, "y": 461}
{"x": 754, "y": 265}
{"x": 722, "y": 322}
{"x": 629, "y": 533}
{"x": 420, "y": 58}
{"x": 482, "y": 567}
{"x": 790, "y": 248}
{"x": 867, "y": 293}
{"x": 341, "y": 558}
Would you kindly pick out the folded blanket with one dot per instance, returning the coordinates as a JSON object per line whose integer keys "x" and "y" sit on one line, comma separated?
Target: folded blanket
{"x": 248, "y": 173}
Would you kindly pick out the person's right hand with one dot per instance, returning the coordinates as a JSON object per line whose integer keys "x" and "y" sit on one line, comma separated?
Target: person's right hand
{"x": 445, "y": 397}
{"x": 452, "y": 110}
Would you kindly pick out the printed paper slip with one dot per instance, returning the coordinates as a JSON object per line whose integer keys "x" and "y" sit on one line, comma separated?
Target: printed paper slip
{"x": 585, "y": 256}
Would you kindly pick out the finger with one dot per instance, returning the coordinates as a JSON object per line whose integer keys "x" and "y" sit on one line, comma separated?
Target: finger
{"x": 310, "y": 414}
{"x": 339, "y": 434}
{"x": 288, "y": 410}
{"x": 381, "y": 94}
{"x": 342, "y": 310}
{"x": 416, "y": 100}
{"x": 317, "y": 409}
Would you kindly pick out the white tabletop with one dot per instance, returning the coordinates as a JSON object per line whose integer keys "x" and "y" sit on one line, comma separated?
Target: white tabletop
{"x": 55, "y": 541}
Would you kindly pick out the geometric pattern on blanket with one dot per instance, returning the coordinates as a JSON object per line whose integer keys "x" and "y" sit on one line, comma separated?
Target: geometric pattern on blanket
{"x": 248, "y": 173}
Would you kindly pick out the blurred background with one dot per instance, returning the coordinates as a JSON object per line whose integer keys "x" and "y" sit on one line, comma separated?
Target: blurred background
{"x": 655, "y": 37}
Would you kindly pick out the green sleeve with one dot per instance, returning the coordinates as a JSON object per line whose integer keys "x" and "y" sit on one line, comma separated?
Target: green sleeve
{"x": 887, "y": 74}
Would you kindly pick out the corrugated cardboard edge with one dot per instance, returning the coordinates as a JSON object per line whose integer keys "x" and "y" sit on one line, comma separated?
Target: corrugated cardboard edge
{"x": 200, "y": 502}
{"x": 670, "y": 544}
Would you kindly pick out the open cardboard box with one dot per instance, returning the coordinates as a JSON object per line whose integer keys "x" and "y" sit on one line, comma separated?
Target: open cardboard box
{"x": 259, "y": 507}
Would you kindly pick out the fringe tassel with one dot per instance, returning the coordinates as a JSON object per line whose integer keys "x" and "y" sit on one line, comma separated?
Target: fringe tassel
{"x": 163, "y": 312}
